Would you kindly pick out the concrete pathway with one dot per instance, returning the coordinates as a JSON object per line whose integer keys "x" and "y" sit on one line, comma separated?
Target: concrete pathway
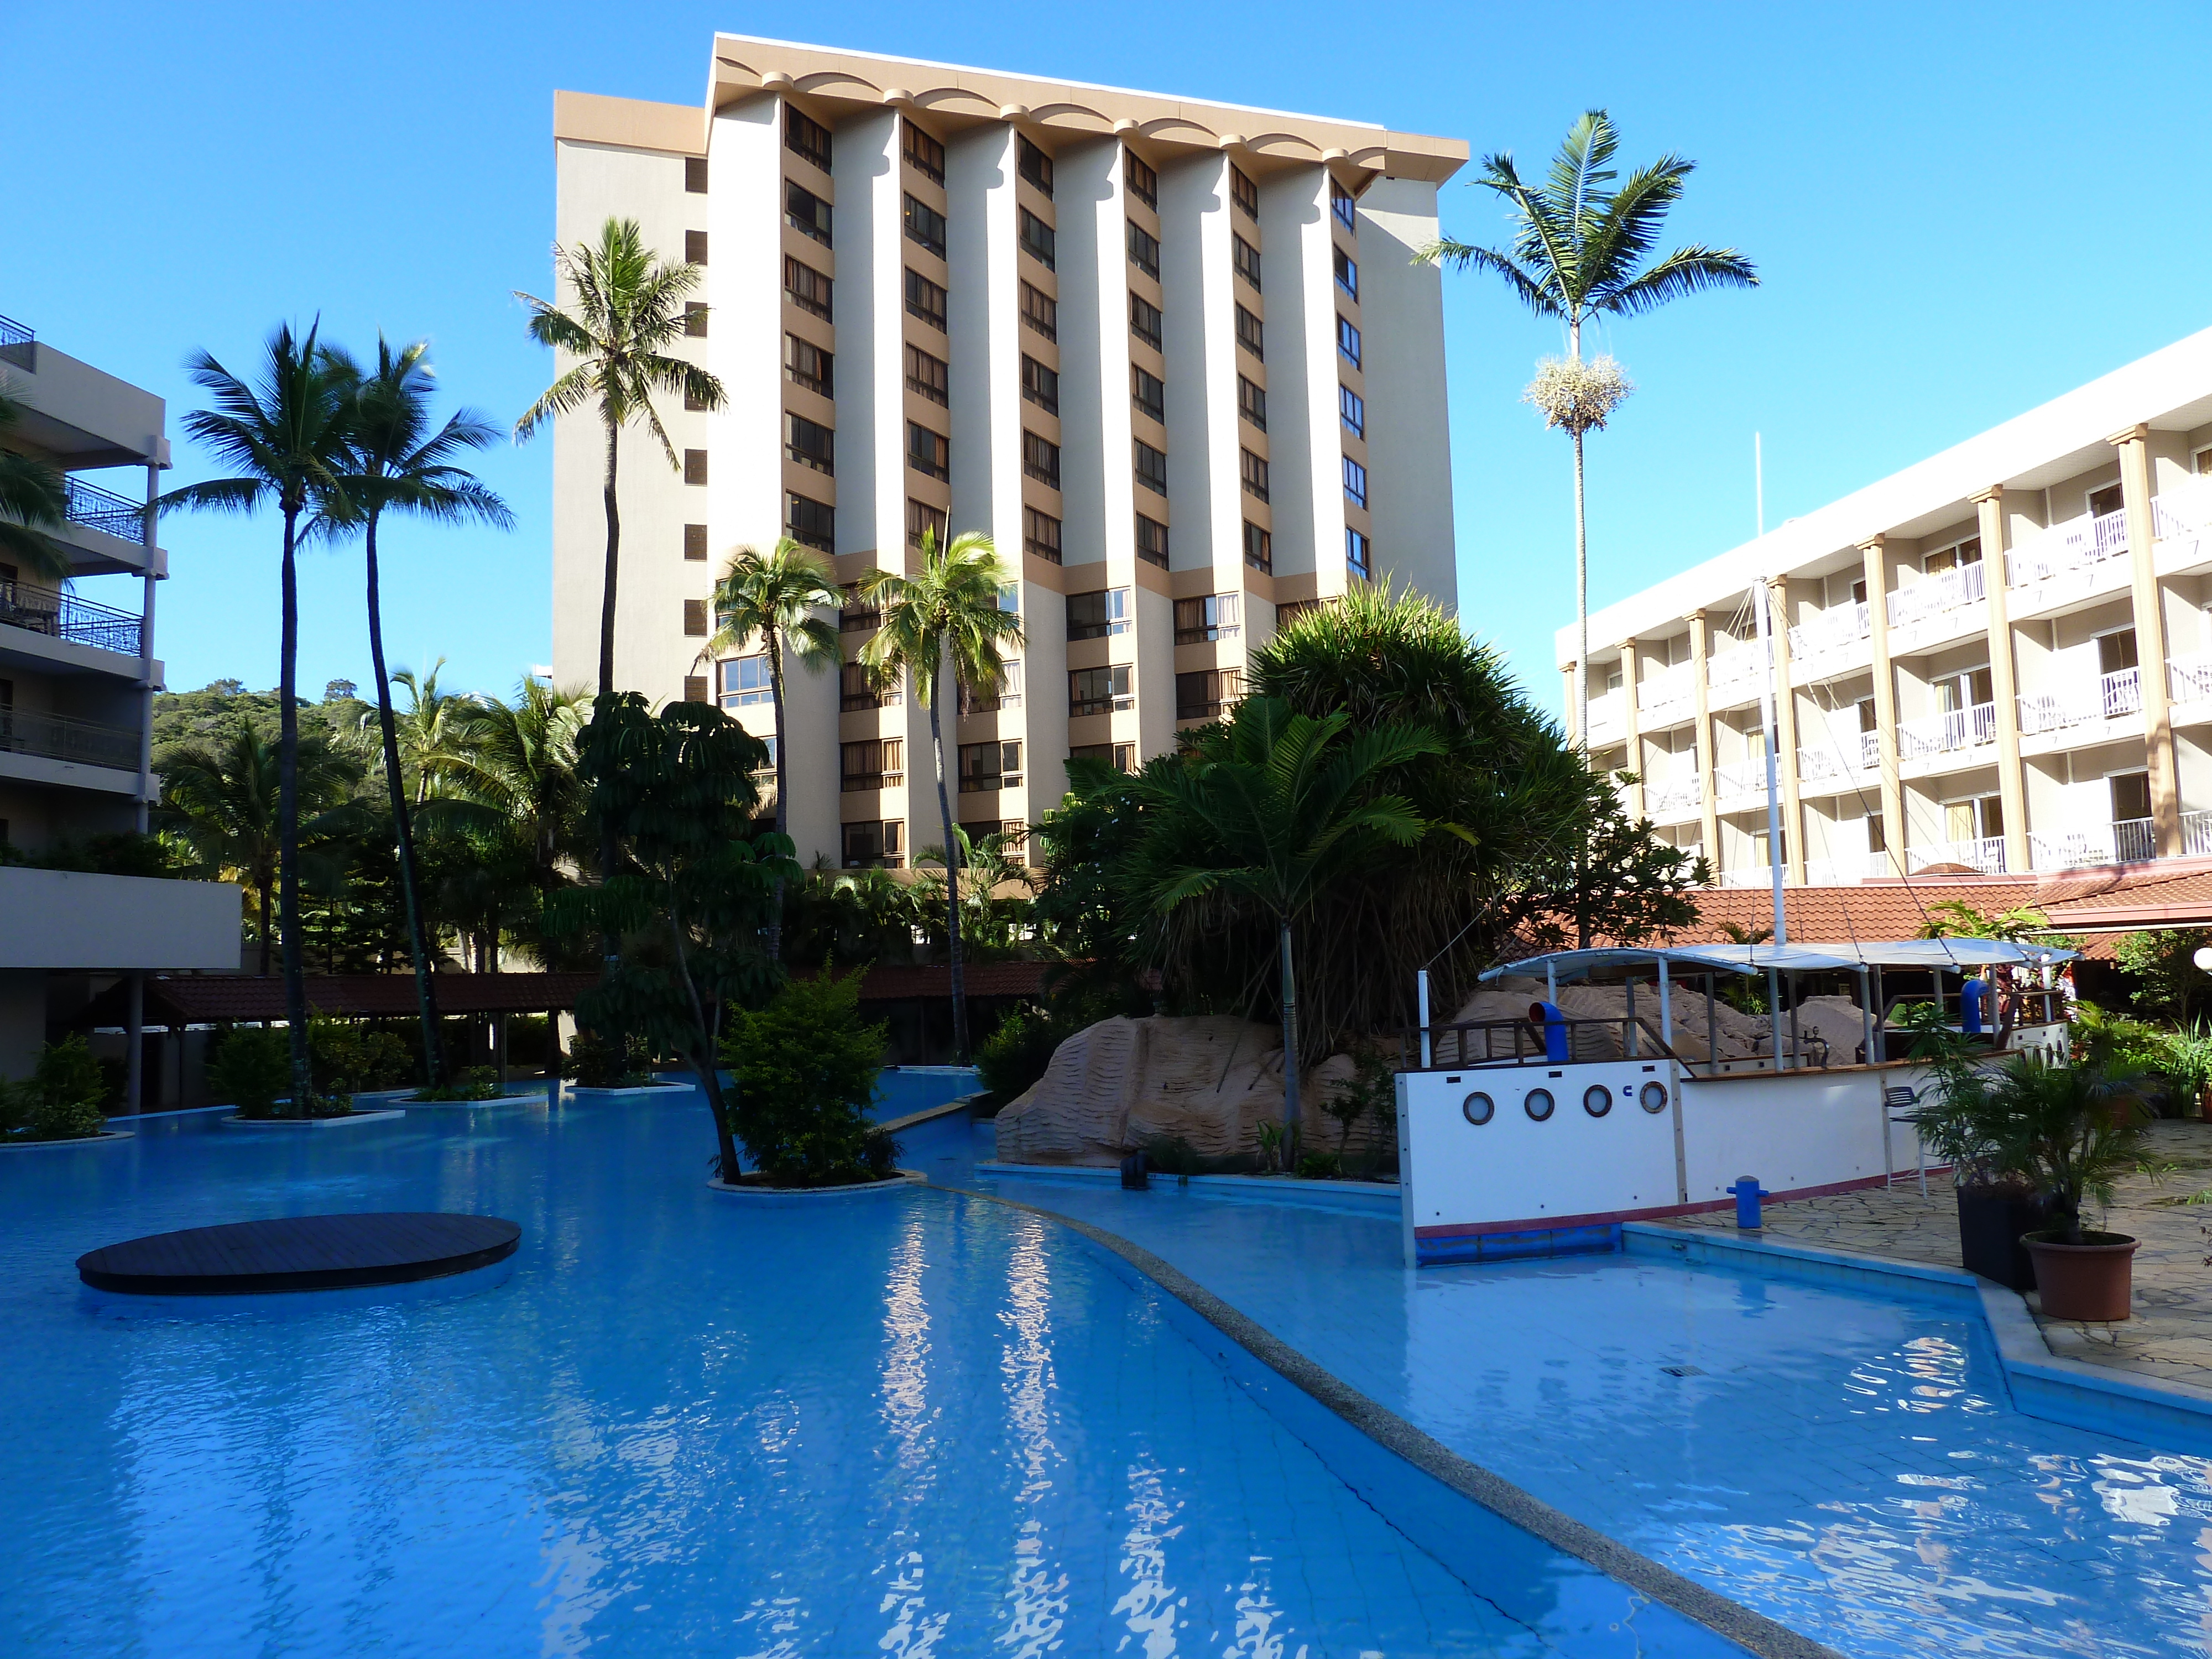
{"x": 2170, "y": 1338}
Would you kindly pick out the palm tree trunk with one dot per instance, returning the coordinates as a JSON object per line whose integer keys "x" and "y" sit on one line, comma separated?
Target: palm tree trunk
{"x": 1289, "y": 1053}
{"x": 951, "y": 877}
{"x": 426, "y": 992}
{"x": 268, "y": 894}
{"x": 608, "y": 851}
{"x": 782, "y": 817}
{"x": 288, "y": 819}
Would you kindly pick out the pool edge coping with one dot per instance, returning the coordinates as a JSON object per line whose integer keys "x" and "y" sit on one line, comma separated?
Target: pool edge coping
{"x": 1752, "y": 1630}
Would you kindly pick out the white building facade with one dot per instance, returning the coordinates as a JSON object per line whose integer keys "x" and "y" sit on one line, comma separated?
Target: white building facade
{"x": 1999, "y": 659}
{"x": 1173, "y": 357}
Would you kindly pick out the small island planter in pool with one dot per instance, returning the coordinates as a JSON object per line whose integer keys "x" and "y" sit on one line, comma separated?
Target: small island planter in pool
{"x": 906, "y": 1181}
{"x": 343, "y": 1121}
{"x": 14, "y": 1145}
{"x": 634, "y": 1091}
{"x": 2093, "y": 1282}
{"x": 414, "y": 1105}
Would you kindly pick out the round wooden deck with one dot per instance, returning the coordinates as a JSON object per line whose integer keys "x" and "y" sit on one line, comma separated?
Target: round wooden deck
{"x": 300, "y": 1252}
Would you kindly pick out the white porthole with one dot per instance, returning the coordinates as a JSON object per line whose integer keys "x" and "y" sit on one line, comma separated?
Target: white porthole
{"x": 1538, "y": 1104}
{"x": 1597, "y": 1099}
{"x": 1478, "y": 1109}
{"x": 1654, "y": 1098}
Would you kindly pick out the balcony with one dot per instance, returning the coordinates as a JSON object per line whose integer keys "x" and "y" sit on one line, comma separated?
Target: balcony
{"x": 2106, "y": 697}
{"x": 1931, "y": 596}
{"x": 2126, "y": 840}
{"x": 1946, "y": 734}
{"x": 64, "y": 617}
{"x": 1745, "y": 777}
{"x": 1734, "y": 675}
{"x": 1846, "y": 869}
{"x": 2080, "y": 545}
{"x": 1845, "y": 753}
{"x": 1985, "y": 853}
{"x": 105, "y": 511}
{"x": 1756, "y": 875}
{"x": 1836, "y": 628}
{"x": 64, "y": 738}
{"x": 17, "y": 344}
{"x": 1609, "y": 714}
{"x": 2183, "y": 514}
{"x": 1668, "y": 687}
{"x": 2188, "y": 679}
{"x": 1674, "y": 794}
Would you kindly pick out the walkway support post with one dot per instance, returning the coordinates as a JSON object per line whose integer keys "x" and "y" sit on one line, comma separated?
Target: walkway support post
{"x": 1866, "y": 1014}
{"x": 1774, "y": 1014}
{"x": 1666, "y": 1011}
{"x": 1421, "y": 991}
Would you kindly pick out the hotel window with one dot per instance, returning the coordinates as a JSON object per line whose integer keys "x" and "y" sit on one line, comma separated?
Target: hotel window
{"x": 1347, "y": 341}
{"x": 695, "y": 688}
{"x": 1351, "y": 409}
{"x": 692, "y": 402}
{"x": 1341, "y": 204}
{"x": 925, "y": 225}
{"x": 695, "y": 174}
{"x": 1038, "y": 239}
{"x": 871, "y": 844}
{"x": 2103, "y": 503}
{"x": 694, "y": 619}
{"x": 1121, "y": 756}
{"x": 1249, "y": 334}
{"x": 806, "y": 213}
{"x": 1950, "y": 558}
{"x": 1094, "y": 615}
{"x": 1145, "y": 320}
{"x": 1355, "y": 481}
{"x": 1348, "y": 273}
{"x": 811, "y": 524}
{"x": 857, "y": 690}
{"x": 746, "y": 683}
{"x": 985, "y": 766}
{"x": 927, "y": 376}
{"x": 808, "y": 365}
{"x": 1149, "y": 392}
{"x": 1246, "y": 258}
{"x": 806, "y": 138}
{"x": 1040, "y": 534}
{"x": 924, "y": 522}
{"x": 808, "y": 288}
{"x": 1008, "y": 696}
{"x": 858, "y": 611}
{"x": 1358, "y": 553}
{"x": 694, "y": 543}
{"x": 924, "y": 299}
{"x": 926, "y": 452}
{"x": 1041, "y": 312}
{"x": 1041, "y": 385}
{"x": 1151, "y": 467}
{"x": 695, "y": 247}
{"x": 1252, "y": 403}
{"x": 873, "y": 763}
{"x": 1035, "y": 165}
{"x": 694, "y": 320}
{"x": 925, "y": 153}
{"x": 1143, "y": 183}
{"x": 1255, "y": 475}
{"x": 1145, "y": 250}
{"x": 1151, "y": 541}
{"x": 1244, "y": 193}
{"x": 1041, "y": 459}
{"x": 695, "y": 466}
{"x": 810, "y": 443}
{"x": 1015, "y": 833}
{"x": 1259, "y": 547}
{"x": 1203, "y": 696}
{"x": 1098, "y": 690}
{"x": 1204, "y": 620}
{"x": 1010, "y": 598}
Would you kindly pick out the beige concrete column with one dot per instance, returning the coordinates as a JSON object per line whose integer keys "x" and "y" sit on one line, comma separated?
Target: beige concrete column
{"x": 1876, "y": 555}
{"x": 2134, "y": 447}
{"x": 1785, "y": 732}
{"x": 1574, "y": 704}
{"x": 2004, "y": 676}
{"x": 1631, "y": 664}
{"x": 1700, "y": 652}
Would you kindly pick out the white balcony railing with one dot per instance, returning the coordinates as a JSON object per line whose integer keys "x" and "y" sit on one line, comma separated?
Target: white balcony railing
{"x": 2075, "y": 546}
{"x": 1947, "y": 590}
{"x": 1756, "y": 875}
{"x": 2185, "y": 513}
{"x": 1735, "y": 670}
{"x": 1832, "y": 630}
{"x": 1846, "y": 868}
{"x": 1608, "y": 712}
{"x": 1745, "y": 777}
{"x": 1938, "y": 734}
{"x": 1673, "y": 794}
{"x": 2195, "y": 834}
{"x": 1843, "y": 754}
{"x": 2188, "y": 679}
{"x": 1666, "y": 688}
{"x": 2129, "y": 841}
{"x": 2106, "y": 697}
{"x": 1983, "y": 853}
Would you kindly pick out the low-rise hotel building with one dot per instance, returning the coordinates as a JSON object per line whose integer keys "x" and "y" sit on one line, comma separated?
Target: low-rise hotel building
{"x": 1996, "y": 660}
{"x": 1172, "y": 356}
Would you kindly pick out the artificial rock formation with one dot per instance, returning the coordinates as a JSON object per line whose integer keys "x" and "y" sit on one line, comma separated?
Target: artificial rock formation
{"x": 1735, "y": 1034}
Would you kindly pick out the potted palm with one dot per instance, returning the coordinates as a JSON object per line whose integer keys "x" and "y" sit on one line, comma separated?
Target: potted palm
{"x": 1960, "y": 1125}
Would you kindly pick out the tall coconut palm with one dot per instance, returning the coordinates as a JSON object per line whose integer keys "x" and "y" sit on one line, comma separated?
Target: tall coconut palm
{"x": 1579, "y": 252}
{"x": 401, "y": 461}
{"x": 33, "y": 498}
{"x": 943, "y": 623}
{"x": 774, "y": 597}
{"x": 432, "y": 731}
{"x": 518, "y": 761}
{"x": 286, "y": 435}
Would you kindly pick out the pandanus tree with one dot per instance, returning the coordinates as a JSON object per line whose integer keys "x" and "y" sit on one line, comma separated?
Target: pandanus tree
{"x": 33, "y": 499}
{"x": 943, "y": 627}
{"x": 1581, "y": 250}
{"x": 286, "y": 436}
{"x": 401, "y": 460}
{"x": 775, "y": 598}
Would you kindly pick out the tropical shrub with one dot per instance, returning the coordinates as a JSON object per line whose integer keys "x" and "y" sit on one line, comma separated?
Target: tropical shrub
{"x": 477, "y": 1083}
{"x": 595, "y": 1062}
{"x": 252, "y": 1070}
{"x": 60, "y": 1100}
{"x": 1015, "y": 1056}
{"x": 803, "y": 1071}
{"x": 350, "y": 1058}
{"x": 2169, "y": 982}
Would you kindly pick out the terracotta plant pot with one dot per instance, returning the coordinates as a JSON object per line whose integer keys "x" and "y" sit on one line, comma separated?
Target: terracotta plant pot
{"x": 2092, "y": 1281}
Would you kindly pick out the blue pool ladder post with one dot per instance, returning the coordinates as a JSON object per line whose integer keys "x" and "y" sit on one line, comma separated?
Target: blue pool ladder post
{"x": 1747, "y": 1194}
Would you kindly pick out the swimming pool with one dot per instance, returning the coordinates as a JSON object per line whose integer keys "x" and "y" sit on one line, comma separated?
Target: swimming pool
{"x": 921, "y": 1425}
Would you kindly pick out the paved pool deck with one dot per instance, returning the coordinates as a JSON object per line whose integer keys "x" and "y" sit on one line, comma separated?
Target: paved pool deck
{"x": 2170, "y": 1337}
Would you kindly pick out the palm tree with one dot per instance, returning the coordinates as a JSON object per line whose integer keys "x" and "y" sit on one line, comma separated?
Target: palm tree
{"x": 1270, "y": 810}
{"x": 33, "y": 497}
{"x": 776, "y": 597}
{"x": 287, "y": 436}
{"x": 519, "y": 760}
{"x": 947, "y": 615}
{"x": 1578, "y": 253}
{"x": 401, "y": 462}
{"x": 432, "y": 731}
{"x": 224, "y": 805}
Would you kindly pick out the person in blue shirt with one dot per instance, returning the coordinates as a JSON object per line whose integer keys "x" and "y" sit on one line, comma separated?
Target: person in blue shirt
{"x": 1974, "y": 1006}
{"x": 1555, "y": 1028}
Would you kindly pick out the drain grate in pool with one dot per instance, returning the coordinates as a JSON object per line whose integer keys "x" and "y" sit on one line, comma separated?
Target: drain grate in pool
{"x": 1683, "y": 1370}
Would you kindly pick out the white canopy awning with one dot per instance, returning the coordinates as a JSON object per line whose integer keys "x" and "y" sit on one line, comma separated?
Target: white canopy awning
{"x": 1951, "y": 954}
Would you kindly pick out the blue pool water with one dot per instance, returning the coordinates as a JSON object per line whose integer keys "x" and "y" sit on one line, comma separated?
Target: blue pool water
{"x": 922, "y": 1425}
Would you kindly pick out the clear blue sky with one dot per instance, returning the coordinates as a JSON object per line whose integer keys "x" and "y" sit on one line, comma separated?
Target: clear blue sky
{"x": 1959, "y": 211}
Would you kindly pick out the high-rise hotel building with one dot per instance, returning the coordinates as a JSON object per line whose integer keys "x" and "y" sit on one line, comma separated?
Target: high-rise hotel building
{"x": 1173, "y": 357}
